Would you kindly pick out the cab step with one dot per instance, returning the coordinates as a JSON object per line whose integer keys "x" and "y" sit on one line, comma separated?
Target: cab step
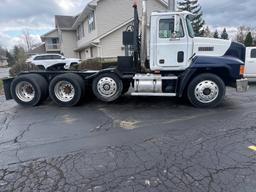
{"x": 154, "y": 94}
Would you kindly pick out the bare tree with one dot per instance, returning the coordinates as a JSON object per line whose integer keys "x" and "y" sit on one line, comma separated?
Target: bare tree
{"x": 241, "y": 33}
{"x": 2, "y": 51}
{"x": 28, "y": 40}
{"x": 207, "y": 32}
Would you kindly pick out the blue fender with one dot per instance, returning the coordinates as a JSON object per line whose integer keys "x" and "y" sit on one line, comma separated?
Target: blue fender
{"x": 208, "y": 64}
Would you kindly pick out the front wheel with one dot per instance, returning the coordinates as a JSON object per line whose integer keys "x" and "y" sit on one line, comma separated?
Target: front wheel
{"x": 107, "y": 87}
{"x": 206, "y": 90}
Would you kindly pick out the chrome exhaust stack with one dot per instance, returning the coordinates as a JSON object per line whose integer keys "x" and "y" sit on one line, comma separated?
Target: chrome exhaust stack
{"x": 143, "y": 49}
{"x": 172, "y": 5}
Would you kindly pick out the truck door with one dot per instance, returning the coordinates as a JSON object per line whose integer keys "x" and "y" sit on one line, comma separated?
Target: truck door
{"x": 172, "y": 43}
{"x": 250, "y": 62}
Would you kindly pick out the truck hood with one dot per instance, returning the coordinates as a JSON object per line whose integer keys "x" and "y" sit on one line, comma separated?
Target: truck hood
{"x": 211, "y": 46}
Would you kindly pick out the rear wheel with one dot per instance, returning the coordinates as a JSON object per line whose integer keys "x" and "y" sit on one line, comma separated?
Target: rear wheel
{"x": 67, "y": 90}
{"x": 206, "y": 90}
{"x": 29, "y": 90}
{"x": 107, "y": 87}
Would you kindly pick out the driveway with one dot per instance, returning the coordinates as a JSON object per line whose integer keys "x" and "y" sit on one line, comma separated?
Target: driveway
{"x": 135, "y": 144}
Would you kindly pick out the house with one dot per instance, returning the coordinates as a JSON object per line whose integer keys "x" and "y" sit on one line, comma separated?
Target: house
{"x": 3, "y": 61}
{"x": 97, "y": 31}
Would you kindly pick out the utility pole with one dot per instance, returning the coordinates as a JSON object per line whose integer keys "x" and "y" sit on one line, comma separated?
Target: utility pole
{"x": 172, "y": 5}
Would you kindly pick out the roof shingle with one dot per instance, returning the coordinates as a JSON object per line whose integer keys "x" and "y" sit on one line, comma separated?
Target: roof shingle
{"x": 64, "y": 22}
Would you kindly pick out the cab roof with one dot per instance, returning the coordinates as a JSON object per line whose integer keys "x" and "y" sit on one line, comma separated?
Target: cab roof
{"x": 159, "y": 13}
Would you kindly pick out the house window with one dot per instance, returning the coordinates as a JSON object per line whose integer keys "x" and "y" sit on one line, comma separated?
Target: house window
{"x": 91, "y": 22}
{"x": 80, "y": 31}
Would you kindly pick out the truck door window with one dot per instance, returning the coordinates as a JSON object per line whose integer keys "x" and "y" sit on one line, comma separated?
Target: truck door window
{"x": 166, "y": 29}
{"x": 190, "y": 27}
{"x": 253, "y": 53}
{"x": 180, "y": 33}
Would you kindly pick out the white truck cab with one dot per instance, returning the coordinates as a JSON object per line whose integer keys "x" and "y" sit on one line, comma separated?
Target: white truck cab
{"x": 173, "y": 43}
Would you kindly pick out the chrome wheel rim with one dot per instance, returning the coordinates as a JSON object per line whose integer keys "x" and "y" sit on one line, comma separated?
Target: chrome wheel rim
{"x": 107, "y": 87}
{"x": 64, "y": 91}
{"x": 206, "y": 91}
{"x": 25, "y": 91}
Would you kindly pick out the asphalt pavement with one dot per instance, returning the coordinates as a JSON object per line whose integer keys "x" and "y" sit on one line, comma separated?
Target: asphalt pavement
{"x": 135, "y": 144}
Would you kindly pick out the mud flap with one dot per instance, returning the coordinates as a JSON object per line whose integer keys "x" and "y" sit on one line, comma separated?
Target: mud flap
{"x": 7, "y": 88}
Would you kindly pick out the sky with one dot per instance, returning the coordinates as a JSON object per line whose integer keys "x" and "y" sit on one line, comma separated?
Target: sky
{"x": 37, "y": 16}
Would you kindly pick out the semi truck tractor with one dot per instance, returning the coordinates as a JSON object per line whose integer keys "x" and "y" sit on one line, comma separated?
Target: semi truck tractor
{"x": 174, "y": 64}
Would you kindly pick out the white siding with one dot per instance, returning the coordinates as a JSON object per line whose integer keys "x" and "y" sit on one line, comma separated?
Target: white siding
{"x": 112, "y": 45}
{"x": 81, "y": 54}
{"x": 68, "y": 44}
{"x": 88, "y": 53}
{"x": 111, "y": 13}
{"x": 53, "y": 34}
{"x": 95, "y": 52}
{"x": 88, "y": 36}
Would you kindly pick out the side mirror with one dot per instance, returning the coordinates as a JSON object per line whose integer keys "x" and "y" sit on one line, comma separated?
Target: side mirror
{"x": 63, "y": 58}
{"x": 175, "y": 36}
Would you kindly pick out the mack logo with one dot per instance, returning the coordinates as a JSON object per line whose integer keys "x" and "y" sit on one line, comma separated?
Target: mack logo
{"x": 205, "y": 48}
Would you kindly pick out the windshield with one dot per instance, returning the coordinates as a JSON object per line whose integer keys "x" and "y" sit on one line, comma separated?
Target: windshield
{"x": 190, "y": 27}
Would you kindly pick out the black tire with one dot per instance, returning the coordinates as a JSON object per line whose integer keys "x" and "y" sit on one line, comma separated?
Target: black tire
{"x": 39, "y": 85}
{"x": 212, "y": 81}
{"x": 117, "y": 92}
{"x": 79, "y": 89}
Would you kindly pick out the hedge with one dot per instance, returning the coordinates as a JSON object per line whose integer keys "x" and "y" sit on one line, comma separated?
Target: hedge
{"x": 96, "y": 64}
{"x": 16, "y": 69}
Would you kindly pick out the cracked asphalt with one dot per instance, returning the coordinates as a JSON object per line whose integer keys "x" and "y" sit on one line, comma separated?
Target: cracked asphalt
{"x": 135, "y": 144}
